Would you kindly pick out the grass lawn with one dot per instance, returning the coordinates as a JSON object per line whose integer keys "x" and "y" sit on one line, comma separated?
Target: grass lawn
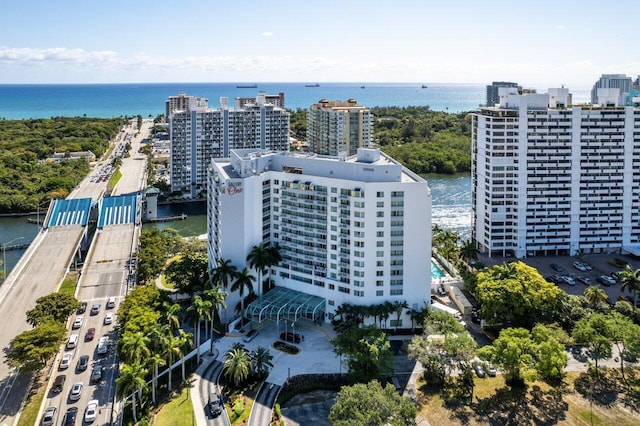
{"x": 177, "y": 412}
{"x": 115, "y": 177}
{"x": 68, "y": 286}
{"x": 29, "y": 413}
{"x": 537, "y": 404}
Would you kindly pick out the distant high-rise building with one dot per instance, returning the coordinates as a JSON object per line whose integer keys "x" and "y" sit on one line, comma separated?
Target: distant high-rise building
{"x": 183, "y": 102}
{"x": 612, "y": 81}
{"x": 553, "y": 178}
{"x": 492, "y": 91}
{"x": 199, "y": 134}
{"x": 275, "y": 100}
{"x": 355, "y": 231}
{"x": 339, "y": 127}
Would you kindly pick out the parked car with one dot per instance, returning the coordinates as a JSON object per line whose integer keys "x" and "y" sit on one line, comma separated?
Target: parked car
{"x": 65, "y": 361}
{"x": 475, "y": 317}
{"x": 557, "y": 267}
{"x": 83, "y": 363}
{"x": 290, "y": 337}
{"x": 76, "y": 391}
{"x": 58, "y": 383}
{"x": 91, "y": 412}
{"x": 491, "y": 371}
{"x": 82, "y": 308}
{"x": 250, "y": 335}
{"x": 70, "y": 417}
{"x": 479, "y": 370}
{"x": 49, "y": 416}
{"x": 606, "y": 280}
{"x": 214, "y": 404}
{"x": 111, "y": 303}
{"x": 568, "y": 280}
{"x": 77, "y": 323}
{"x": 553, "y": 279}
{"x": 579, "y": 266}
{"x": 90, "y": 334}
{"x": 108, "y": 319}
{"x": 95, "y": 309}
{"x": 585, "y": 280}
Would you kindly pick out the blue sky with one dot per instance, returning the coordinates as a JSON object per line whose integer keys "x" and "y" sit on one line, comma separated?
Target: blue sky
{"x": 540, "y": 43}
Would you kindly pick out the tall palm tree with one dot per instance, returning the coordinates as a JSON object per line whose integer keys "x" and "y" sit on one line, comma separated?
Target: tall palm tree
{"x": 159, "y": 337}
{"x": 186, "y": 340}
{"x": 244, "y": 281}
{"x": 135, "y": 346}
{"x": 276, "y": 258}
{"x": 155, "y": 361}
{"x": 398, "y": 308}
{"x": 223, "y": 273}
{"x": 595, "y": 296}
{"x": 131, "y": 382}
{"x": 259, "y": 258}
{"x": 218, "y": 298}
{"x": 170, "y": 315}
{"x": 174, "y": 351}
{"x": 468, "y": 250}
{"x": 261, "y": 361}
{"x": 200, "y": 309}
{"x": 236, "y": 365}
{"x": 631, "y": 280}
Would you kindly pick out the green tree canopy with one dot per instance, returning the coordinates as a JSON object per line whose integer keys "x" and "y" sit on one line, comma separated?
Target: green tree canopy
{"x": 189, "y": 272}
{"x": 32, "y": 349}
{"x": 523, "y": 355}
{"x": 515, "y": 294}
{"x": 371, "y": 405}
{"x": 53, "y": 307}
{"x": 367, "y": 351}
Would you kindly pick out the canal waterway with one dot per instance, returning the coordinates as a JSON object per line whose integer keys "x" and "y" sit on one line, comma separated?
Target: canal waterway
{"x": 451, "y": 209}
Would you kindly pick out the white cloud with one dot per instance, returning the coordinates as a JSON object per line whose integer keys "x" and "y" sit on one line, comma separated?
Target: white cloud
{"x": 267, "y": 34}
{"x": 560, "y": 27}
{"x": 30, "y": 56}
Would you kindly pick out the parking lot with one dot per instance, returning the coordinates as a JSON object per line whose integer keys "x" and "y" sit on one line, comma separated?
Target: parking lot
{"x": 599, "y": 263}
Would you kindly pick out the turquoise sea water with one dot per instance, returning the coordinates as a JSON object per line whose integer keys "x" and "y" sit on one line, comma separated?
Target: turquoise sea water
{"x": 113, "y": 100}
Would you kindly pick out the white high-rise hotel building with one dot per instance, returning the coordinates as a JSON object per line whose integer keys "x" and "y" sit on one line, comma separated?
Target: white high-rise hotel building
{"x": 355, "y": 231}
{"x": 552, "y": 178}
{"x": 199, "y": 133}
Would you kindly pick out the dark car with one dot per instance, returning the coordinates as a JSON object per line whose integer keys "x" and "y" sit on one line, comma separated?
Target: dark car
{"x": 557, "y": 267}
{"x": 479, "y": 371}
{"x": 290, "y": 337}
{"x": 83, "y": 363}
{"x": 475, "y": 317}
{"x": 58, "y": 384}
{"x": 82, "y": 308}
{"x": 96, "y": 373}
{"x": 90, "y": 334}
{"x": 70, "y": 417}
{"x": 214, "y": 404}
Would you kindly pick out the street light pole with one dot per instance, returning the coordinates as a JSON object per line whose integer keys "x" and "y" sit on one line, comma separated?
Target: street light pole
{"x": 4, "y": 256}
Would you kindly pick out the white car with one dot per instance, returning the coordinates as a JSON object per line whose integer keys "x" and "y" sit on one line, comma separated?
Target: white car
{"x": 78, "y": 322}
{"x": 76, "y": 391}
{"x": 108, "y": 319}
{"x": 579, "y": 266}
{"x": 65, "y": 361}
{"x": 91, "y": 412}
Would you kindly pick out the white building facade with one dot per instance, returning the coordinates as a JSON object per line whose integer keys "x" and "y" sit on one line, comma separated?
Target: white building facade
{"x": 551, "y": 178}
{"x": 356, "y": 231}
{"x": 199, "y": 134}
{"x": 339, "y": 127}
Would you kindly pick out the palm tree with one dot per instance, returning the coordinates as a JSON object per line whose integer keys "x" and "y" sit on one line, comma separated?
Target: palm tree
{"x": 398, "y": 307}
{"x": 259, "y": 258}
{"x": 387, "y": 308}
{"x": 276, "y": 258}
{"x": 223, "y": 273}
{"x": 170, "y": 316}
{"x": 159, "y": 337}
{"x": 135, "y": 346}
{"x": 200, "y": 310}
{"x": 174, "y": 349}
{"x": 218, "y": 299}
{"x": 155, "y": 361}
{"x": 595, "y": 296}
{"x": 132, "y": 381}
{"x": 186, "y": 341}
{"x": 244, "y": 280}
{"x": 236, "y": 365}
{"x": 261, "y": 361}
{"x": 631, "y": 280}
{"x": 469, "y": 251}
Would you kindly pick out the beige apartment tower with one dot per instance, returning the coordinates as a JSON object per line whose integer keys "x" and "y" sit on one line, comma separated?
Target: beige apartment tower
{"x": 339, "y": 128}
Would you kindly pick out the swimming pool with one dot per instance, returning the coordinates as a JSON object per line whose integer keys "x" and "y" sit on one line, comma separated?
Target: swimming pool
{"x": 436, "y": 272}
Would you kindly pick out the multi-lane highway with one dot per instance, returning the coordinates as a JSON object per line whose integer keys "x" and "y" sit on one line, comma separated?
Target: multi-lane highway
{"x": 41, "y": 270}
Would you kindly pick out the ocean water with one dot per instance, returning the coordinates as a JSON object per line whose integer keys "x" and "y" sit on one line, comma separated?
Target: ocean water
{"x": 18, "y": 101}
